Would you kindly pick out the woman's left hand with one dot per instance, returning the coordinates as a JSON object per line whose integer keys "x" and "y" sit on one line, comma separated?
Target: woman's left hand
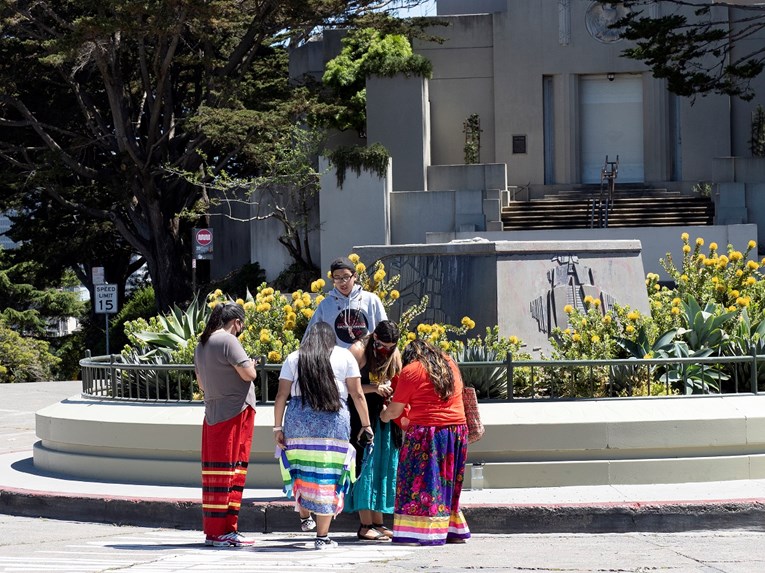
{"x": 369, "y": 437}
{"x": 385, "y": 390}
{"x": 279, "y": 437}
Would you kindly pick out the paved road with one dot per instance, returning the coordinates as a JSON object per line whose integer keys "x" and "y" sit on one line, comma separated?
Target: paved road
{"x": 18, "y": 406}
{"x": 28, "y": 545}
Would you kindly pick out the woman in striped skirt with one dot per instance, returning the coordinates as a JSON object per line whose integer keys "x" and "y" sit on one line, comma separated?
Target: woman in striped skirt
{"x": 317, "y": 459}
{"x": 432, "y": 459}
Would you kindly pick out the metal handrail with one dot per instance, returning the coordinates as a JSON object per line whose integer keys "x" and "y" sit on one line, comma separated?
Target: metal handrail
{"x": 608, "y": 177}
{"x": 109, "y": 377}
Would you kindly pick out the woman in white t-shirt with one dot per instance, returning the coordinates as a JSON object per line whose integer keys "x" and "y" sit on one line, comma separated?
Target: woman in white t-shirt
{"x": 317, "y": 459}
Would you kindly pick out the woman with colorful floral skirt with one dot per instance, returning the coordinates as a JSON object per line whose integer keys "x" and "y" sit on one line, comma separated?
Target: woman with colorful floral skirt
{"x": 432, "y": 459}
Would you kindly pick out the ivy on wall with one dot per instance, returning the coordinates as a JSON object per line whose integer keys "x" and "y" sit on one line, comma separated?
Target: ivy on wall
{"x": 366, "y": 52}
{"x": 472, "y": 129}
{"x": 373, "y": 158}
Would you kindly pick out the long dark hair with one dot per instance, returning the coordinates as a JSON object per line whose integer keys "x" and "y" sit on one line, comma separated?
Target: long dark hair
{"x": 315, "y": 375}
{"x": 435, "y": 363}
{"x": 221, "y": 315}
{"x": 387, "y": 367}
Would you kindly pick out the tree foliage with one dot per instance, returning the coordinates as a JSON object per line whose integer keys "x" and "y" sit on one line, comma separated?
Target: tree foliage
{"x": 700, "y": 47}
{"x": 24, "y": 359}
{"x": 103, "y": 104}
{"x": 27, "y": 308}
{"x": 59, "y": 240}
{"x": 367, "y": 52}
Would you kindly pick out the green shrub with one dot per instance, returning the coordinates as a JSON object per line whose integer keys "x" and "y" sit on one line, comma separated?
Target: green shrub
{"x": 24, "y": 359}
{"x": 141, "y": 304}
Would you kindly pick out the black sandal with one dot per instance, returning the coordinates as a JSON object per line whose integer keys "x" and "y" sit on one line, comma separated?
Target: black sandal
{"x": 371, "y": 535}
{"x": 380, "y": 528}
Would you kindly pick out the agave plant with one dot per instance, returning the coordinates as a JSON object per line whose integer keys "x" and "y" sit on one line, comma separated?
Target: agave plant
{"x": 174, "y": 329}
{"x": 488, "y": 381}
{"x": 745, "y": 339}
{"x": 687, "y": 378}
{"x": 167, "y": 339}
{"x": 704, "y": 325}
{"x": 154, "y": 383}
{"x": 641, "y": 347}
{"x": 624, "y": 378}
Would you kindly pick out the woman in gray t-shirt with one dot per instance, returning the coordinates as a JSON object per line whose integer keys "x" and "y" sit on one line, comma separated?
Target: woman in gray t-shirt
{"x": 225, "y": 374}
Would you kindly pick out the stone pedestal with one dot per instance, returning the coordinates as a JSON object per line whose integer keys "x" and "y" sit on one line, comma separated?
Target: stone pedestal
{"x": 521, "y": 286}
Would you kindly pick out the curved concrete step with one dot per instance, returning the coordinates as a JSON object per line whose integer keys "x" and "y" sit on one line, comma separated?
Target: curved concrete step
{"x": 527, "y": 443}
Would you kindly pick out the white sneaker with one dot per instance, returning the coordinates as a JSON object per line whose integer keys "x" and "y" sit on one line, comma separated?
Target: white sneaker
{"x": 233, "y": 539}
{"x": 324, "y": 543}
{"x": 307, "y": 523}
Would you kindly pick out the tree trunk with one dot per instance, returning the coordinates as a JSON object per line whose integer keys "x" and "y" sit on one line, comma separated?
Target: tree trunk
{"x": 168, "y": 270}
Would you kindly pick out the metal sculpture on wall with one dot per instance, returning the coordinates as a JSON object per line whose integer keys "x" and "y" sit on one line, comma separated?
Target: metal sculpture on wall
{"x": 570, "y": 283}
{"x": 600, "y": 17}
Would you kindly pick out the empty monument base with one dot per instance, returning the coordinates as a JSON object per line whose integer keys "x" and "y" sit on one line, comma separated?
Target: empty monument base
{"x": 523, "y": 287}
{"x": 527, "y": 443}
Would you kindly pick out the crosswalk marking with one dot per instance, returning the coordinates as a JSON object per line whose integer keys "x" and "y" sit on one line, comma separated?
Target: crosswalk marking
{"x": 184, "y": 552}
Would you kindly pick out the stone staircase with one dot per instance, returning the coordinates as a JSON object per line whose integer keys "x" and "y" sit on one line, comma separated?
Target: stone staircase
{"x": 577, "y": 208}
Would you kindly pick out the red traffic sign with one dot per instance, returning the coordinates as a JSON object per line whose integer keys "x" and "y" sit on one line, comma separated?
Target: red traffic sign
{"x": 204, "y": 237}
{"x": 203, "y": 243}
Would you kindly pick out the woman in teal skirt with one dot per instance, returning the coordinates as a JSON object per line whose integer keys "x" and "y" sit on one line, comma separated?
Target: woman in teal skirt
{"x": 373, "y": 494}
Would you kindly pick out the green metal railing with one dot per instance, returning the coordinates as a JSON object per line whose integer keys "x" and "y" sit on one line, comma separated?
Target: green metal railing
{"x": 111, "y": 378}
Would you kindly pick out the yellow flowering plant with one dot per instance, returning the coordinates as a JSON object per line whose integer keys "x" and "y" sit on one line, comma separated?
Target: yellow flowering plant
{"x": 490, "y": 381}
{"x": 274, "y": 323}
{"x": 730, "y": 279}
{"x": 376, "y": 280}
{"x": 592, "y": 334}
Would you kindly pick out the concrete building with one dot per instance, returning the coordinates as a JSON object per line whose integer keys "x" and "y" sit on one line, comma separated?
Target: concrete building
{"x": 555, "y": 100}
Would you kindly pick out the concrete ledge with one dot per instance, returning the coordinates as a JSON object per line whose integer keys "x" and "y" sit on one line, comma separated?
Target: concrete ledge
{"x": 527, "y": 443}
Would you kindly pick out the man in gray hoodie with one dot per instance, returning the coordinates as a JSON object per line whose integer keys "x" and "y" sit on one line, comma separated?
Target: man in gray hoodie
{"x": 348, "y": 308}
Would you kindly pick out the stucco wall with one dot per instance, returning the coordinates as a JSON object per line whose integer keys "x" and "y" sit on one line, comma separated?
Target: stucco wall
{"x": 356, "y": 213}
{"x": 525, "y": 41}
{"x": 414, "y": 214}
{"x": 397, "y": 110}
{"x": 462, "y": 84}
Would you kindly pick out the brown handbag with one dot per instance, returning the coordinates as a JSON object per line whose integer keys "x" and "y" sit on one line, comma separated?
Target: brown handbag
{"x": 472, "y": 415}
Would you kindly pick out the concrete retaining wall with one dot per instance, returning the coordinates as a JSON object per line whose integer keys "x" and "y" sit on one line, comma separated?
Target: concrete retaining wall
{"x": 527, "y": 443}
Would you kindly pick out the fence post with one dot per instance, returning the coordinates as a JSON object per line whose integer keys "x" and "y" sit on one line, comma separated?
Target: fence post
{"x": 753, "y": 349}
{"x": 263, "y": 375}
{"x": 112, "y": 377}
{"x": 87, "y": 375}
{"x": 510, "y": 388}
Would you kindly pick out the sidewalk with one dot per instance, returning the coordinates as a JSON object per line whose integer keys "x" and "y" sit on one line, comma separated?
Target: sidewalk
{"x": 656, "y": 507}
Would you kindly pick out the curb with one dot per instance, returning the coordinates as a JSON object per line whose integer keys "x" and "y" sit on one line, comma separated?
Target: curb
{"x": 267, "y": 517}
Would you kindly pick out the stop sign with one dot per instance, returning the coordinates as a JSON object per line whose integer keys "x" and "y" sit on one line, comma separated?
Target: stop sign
{"x": 204, "y": 237}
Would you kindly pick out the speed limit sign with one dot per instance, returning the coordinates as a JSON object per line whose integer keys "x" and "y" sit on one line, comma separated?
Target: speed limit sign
{"x": 106, "y": 299}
